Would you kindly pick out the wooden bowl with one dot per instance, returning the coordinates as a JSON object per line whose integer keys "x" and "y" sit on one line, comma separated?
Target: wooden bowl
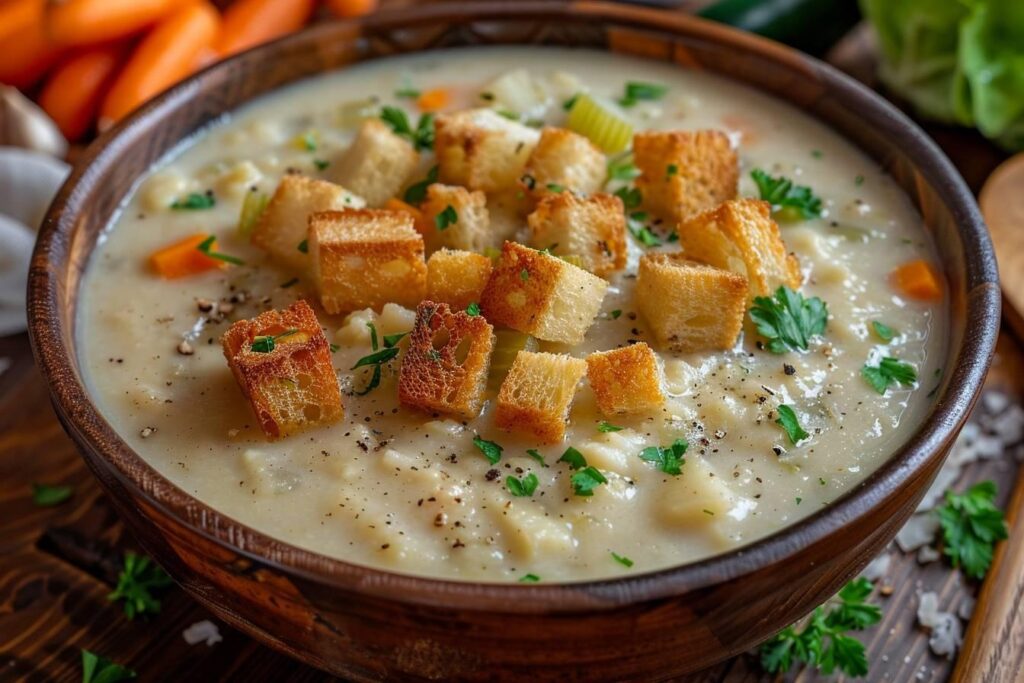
{"x": 366, "y": 623}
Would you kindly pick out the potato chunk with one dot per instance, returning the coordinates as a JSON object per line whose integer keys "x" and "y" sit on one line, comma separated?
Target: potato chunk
{"x": 377, "y": 163}
{"x": 593, "y": 228}
{"x": 283, "y": 224}
{"x": 542, "y": 295}
{"x": 282, "y": 362}
{"x": 741, "y": 236}
{"x": 456, "y": 218}
{"x": 457, "y": 278}
{"x": 444, "y": 370}
{"x": 537, "y": 393}
{"x": 625, "y": 380}
{"x": 564, "y": 160}
{"x": 365, "y": 258}
{"x": 481, "y": 149}
{"x": 690, "y": 306}
{"x": 684, "y": 172}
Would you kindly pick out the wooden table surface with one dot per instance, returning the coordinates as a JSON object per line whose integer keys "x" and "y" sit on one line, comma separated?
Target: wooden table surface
{"x": 58, "y": 564}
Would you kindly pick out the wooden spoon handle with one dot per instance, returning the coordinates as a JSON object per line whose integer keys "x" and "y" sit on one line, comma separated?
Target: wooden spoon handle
{"x": 993, "y": 650}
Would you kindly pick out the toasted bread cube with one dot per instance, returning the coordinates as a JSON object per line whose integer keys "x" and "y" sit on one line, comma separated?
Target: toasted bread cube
{"x": 690, "y": 306}
{"x": 741, "y": 236}
{"x": 539, "y": 294}
{"x": 377, "y": 163}
{"x": 444, "y": 370}
{"x": 290, "y": 382}
{"x": 625, "y": 380}
{"x": 684, "y": 172}
{"x": 537, "y": 392}
{"x": 593, "y": 228}
{"x": 457, "y": 278}
{"x": 365, "y": 258}
{"x": 464, "y": 226}
{"x": 564, "y": 160}
{"x": 283, "y": 224}
{"x": 481, "y": 149}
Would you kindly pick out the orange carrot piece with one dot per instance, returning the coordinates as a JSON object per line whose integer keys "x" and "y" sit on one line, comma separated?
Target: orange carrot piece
{"x": 86, "y": 22}
{"x": 918, "y": 280}
{"x": 184, "y": 258}
{"x": 74, "y": 90}
{"x": 167, "y": 54}
{"x": 27, "y": 50}
{"x": 433, "y": 100}
{"x": 398, "y": 205}
{"x": 351, "y": 8}
{"x": 18, "y": 15}
{"x": 248, "y": 23}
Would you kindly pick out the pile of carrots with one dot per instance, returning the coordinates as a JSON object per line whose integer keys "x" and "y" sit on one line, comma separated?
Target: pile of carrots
{"x": 91, "y": 62}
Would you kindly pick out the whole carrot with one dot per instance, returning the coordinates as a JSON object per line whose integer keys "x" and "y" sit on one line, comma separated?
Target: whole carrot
{"x": 26, "y": 52}
{"x": 86, "y": 22}
{"x": 74, "y": 91}
{"x": 167, "y": 54}
{"x": 250, "y": 22}
{"x": 351, "y": 8}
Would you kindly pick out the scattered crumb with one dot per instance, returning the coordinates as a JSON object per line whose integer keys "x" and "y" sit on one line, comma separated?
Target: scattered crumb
{"x": 947, "y": 633}
{"x": 877, "y": 568}
{"x": 927, "y": 554}
{"x": 202, "y": 631}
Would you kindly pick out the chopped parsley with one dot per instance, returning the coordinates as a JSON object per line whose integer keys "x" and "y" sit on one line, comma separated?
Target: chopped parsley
{"x": 44, "y": 495}
{"x": 858, "y": 181}
{"x": 407, "y": 92}
{"x": 524, "y": 275}
{"x": 473, "y": 309}
{"x": 823, "y": 642}
{"x": 883, "y": 331}
{"x": 206, "y": 247}
{"x": 585, "y": 480}
{"x": 335, "y": 348}
{"x": 98, "y": 669}
{"x": 791, "y": 425}
{"x": 671, "y": 170}
{"x": 522, "y": 487}
{"x": 139, "y": 578}
{"x": 417, "y": 192}
{"x": 535, "y": 454}
{"x": 889, "y": 371}
{"x": 630, "y": 197}
{"x": 621, "y": 167}
{"x": 422, "y": 137}
{"x": 789, "y": 201}
{"x": 605, "y": 426}
{"x": 614, "y": 315}
{"x": 446, "y": 218}
{"x": 555, "y": 187}
{"x": 378, "y": 358}
{"x": 668, "y": 459}
{"x": 303, "y": 246}
{"x": 622, "y": 559}
{"x": 307, "y": 141}
{"x": 321, "y": 164}
{"x": 640, "y": 232}
{"x": 817, "y": 153}
{"x": 267, "y": 343}
{"x": 971, "y": 526}
{"x": 491, "y": 450}
{"x": 637, "y": 91}
{"x": 573, "y": 458}
{"x": 529, "y": 578}
{"x": 788, "y": 321}
{"x": 194, "y": 201}
{"x": 568, "y": 104}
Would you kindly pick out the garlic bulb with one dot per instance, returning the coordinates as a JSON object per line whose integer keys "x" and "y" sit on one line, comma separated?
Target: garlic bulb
{"x": 28, "y": 182}
{"x": 23, "y": 124}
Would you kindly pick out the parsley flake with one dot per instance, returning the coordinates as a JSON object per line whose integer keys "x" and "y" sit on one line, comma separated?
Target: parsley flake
{"x": 788, "y": 320}
{"x": 971, "y": 526}
{"x": 614, "y": 315}
{"x": 98, "y": 669}
{"x": 529, "y": 578}
{"x": 139, "y": 577}
{"x": 791, "y": 425}
{"x": 889, "y": 371}
{"x": 637, "y": 91}
{"x": 883, "y": 331}
{"x": 555, "y": 187}
{"x": 206, "y": 247}
{"x": 522, "y": 487}
{"x": 422, "y": 137}
{"x": 303, "y": 247}
{"x": 321, "y": 164}
{"x": 573, "y": 458}
{"x": 378, "y": 358}
{"x": 622, "y": 559}
{"x": 417, "y": 192}
{"x": 491, "y": 450}
{"x": 671, "y": 170}
{"x": 584, "y": 481}
{"x": 44, "y": 495}
{"x": 335, "y": 348}
{"x": 194, "y": 201}
{"x": 473, "y": 309}
{"x": 668, "y": 459}
{"x": 640, "y": 232}
{"x": 568, "y": 104}
{"x": 789, "y": 201}
{"x": 535, "y": 454}
{"x": 267, "y": 343}
{"x": 630, "y": 196}
{"x": 446, "y": 218}
{"x": 524, "y": 275}
{"x": 621, "y": 167}
{"x": 605, "y": 426}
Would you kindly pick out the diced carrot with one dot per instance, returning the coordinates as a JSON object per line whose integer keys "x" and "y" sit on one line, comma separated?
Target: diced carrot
{"x": 86, "y": 22}
{"x": 167, "y": 54}
{"x": 351, "y": 8}
{"x": 74, "y": 90}
{"x": 27, "y": 50}
{"x": 248, "y": 23}
{"x": 918, "y": 280}
{"x": 433, "y": 100}
{"x": 184, "y": 258}
{"x": 398, "y": 205}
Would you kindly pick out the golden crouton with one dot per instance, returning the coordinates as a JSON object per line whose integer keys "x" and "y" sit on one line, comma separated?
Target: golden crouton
{"x": 741, "y": 236}
{"x": 282, "y": 362}
{"x": 542, "y": 295}
{"x": 457, "y": 278}
{"x": 536, "y": 394}
{"x": 593, "y": 228}
{"x": 481, "y": 149}
{"x": 282, "y": 226}
{"x": 625, "y": 380}
{"x": 564, "y": 160}
{"x": 456, "y": 218}
{"x": 365, "y": 258}
{"x": 444, "y": 370}
{"x": 690, "y": 306}
{"x": 377, "y": 163}
{"x": 684, "y": 172}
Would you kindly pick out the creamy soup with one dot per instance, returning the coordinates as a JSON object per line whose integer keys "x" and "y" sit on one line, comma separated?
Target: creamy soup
{"x": 406, "y": 490}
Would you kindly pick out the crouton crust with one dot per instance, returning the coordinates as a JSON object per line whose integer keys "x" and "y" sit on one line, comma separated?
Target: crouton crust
{"x": 741, "y": 236}
{"x": 377, "y": 163}
{"x": 690, "y": 306}
{"x": 565, "y": 159}
{"x": 471, "y": 229}
{"x": 537, "y": 393}
{"x": 625, "y": 380}
{"x": 481, "y": 149}
{"x": 593, "y": 228}
{"x": 293, "y": 387}
{"x": 457, "y": 278}
{"x": 684, "y": 172}
{"x": 365, "y": 258}
{"x": 444, "y": 370}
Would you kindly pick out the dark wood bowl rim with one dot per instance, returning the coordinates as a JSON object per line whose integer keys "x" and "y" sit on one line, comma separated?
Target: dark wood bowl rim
{"x": 92, "y": 433}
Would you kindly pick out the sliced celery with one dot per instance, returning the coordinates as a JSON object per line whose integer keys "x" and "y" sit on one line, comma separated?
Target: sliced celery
{"x": 602, "y": 127}
{"x": 507, "y": 345}
{"x": 252, "y": 208}
{"x": 574, "y": 259}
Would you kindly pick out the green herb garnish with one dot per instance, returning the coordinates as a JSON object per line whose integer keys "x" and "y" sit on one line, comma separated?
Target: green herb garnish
{"x": 622, "y": 559}
{"x": 636, "y": 91}
{"x": 473, "y": 309}
{"x": 446, "y": 218}
{"x": 883, "y": 331}
{"x": 194, "y": 201}
{"x": 555, "y": 187}
{"x": 407, "y": 92}
{"x": 522, "y": 487}
{"x": 417, "y": 192}
{"x": 44, "y": 495}
{"x": 303, "y": 247}
{"x": 630, "y": 196}
{"x": 533, "y": 453}
{"x": 889, "y": 371}
{"x": 789, "y": 321}
{"x": 584, "y": 481}
{"x": 206, "y": 246}
{"x": 422, "y": 137}
{"x": 640, "y": 232}
{"x": 668, "y": 459}
{"x": 621, "y": 167}
{"x": 491, "y": 450}
{"x": 139, "y": 577}
{"x": 524, "y": 275}
{"x": 573, "y": 458}
{"x": 605, "y": 426}
{"x": 335, "y": 348}
{"x": 789, "y": 423}
{"x": 529, "y": 578}
{"x": 671, "y": 170}
{"x": 567, "y": 105}
{"x": 789, "y": 201}
{"x": 321, "y": 164}
{"x": 98, "y": 669}
{"x": 614, "y": 315}
{"x": 378, "y": 358}
{"x": 971, "y": 526}
{"x": 267, "y": 343}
